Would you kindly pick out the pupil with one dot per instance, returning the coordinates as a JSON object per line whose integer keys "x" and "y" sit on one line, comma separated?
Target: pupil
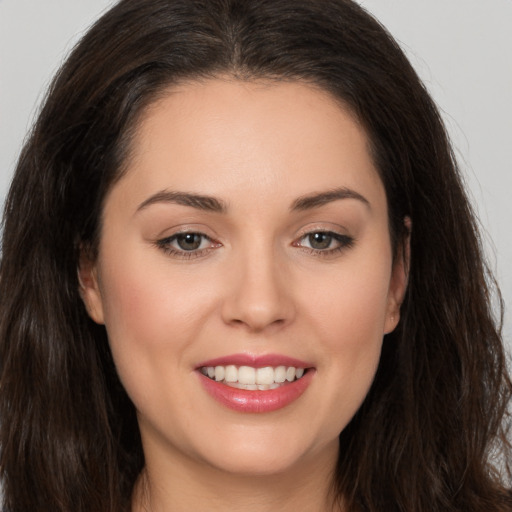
{"x": 320, "y": 240}
{"x": 189, "y": 241}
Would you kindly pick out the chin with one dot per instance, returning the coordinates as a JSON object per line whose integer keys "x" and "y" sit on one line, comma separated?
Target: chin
{"x": 262, "y": 456}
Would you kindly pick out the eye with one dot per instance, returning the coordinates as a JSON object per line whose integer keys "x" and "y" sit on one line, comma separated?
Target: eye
{"x": 324, "y": 242}
{"x": 320, "y": 241}
{"x": 187, "y": 244}
{"x": 189, "y": 241}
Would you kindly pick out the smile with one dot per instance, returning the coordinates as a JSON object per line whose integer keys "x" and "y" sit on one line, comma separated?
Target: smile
{"x": 255, "y": 383}
{"x": 252, "y": 379}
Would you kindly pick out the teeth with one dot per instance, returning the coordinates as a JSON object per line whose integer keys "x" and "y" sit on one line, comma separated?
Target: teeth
{"x": 280, "y": 374}
{"x": 231, "y": 374}
{"x": 220, "y": 373}
{"x": 265, "y": 375}
{"x": 247, "y": 377}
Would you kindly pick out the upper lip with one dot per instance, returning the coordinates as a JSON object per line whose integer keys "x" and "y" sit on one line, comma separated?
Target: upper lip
{"x": 256, "y": 361}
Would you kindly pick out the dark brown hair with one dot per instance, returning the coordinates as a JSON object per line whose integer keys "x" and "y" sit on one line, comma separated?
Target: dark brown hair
{"x": 428, "y": 435}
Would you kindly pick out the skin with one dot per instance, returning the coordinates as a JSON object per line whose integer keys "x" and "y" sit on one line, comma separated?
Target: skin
{"x": 256, "y": 285}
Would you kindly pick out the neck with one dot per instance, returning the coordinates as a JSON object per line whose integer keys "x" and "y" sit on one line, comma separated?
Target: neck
{"x": 185, "y": 485}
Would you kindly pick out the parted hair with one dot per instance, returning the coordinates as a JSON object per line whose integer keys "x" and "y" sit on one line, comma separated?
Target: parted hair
{"x": 431, "y": 435}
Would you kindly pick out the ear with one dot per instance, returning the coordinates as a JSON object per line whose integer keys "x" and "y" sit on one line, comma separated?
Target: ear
{"x": 399, "y": 279}
{"x": 89, "y": 287}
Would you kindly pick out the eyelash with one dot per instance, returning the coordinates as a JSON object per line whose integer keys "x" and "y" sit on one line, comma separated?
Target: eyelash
{"x": 344, "y": 242}
{"x": 165, "y": 245}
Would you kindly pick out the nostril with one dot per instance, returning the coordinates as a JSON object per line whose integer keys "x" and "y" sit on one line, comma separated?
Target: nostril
{"x": 255, "y": 324}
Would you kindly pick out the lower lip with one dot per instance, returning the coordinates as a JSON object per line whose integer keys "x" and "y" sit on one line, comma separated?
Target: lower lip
{"x": 244, "y": 400}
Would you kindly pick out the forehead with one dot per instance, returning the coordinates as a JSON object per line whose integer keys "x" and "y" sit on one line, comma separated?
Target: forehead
{"x": 228, "y": 137}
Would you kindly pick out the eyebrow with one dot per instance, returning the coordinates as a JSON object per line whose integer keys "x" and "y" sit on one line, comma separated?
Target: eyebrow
{"x": 212, "y": 204}
{"x": 198, "y": 201}
{"x": 316, "y": 200}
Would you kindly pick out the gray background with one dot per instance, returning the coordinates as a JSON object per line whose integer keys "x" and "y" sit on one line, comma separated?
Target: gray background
{"x": 461, "y": 48}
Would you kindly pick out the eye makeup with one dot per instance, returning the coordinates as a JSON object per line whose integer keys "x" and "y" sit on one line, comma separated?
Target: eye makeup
{"x": 194, "y": 244}
{"x": 187, "y": 245}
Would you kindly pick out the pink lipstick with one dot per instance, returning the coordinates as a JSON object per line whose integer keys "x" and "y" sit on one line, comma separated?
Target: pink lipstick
{"x": 255, "y": 384}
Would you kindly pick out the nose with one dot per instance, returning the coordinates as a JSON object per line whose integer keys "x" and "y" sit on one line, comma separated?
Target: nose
{"x": 260, "y": 296}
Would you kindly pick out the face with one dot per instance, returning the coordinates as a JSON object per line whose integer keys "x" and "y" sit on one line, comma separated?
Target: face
{"x": 245, "y": 275}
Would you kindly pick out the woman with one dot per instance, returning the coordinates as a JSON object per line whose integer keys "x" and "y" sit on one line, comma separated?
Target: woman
{"x": 240, "y": 272}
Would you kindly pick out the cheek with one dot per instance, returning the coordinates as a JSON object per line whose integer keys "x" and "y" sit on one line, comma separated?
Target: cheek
{"x": 351, "y": 328}
{"x": 147, "y": 302}
{"x": 151, "y": 318}
{"x": 348, "y": 321}
{"x": 350, "y": 309}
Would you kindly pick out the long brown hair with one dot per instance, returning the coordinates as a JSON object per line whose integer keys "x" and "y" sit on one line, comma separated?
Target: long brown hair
{"x": 428, "y": 435}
